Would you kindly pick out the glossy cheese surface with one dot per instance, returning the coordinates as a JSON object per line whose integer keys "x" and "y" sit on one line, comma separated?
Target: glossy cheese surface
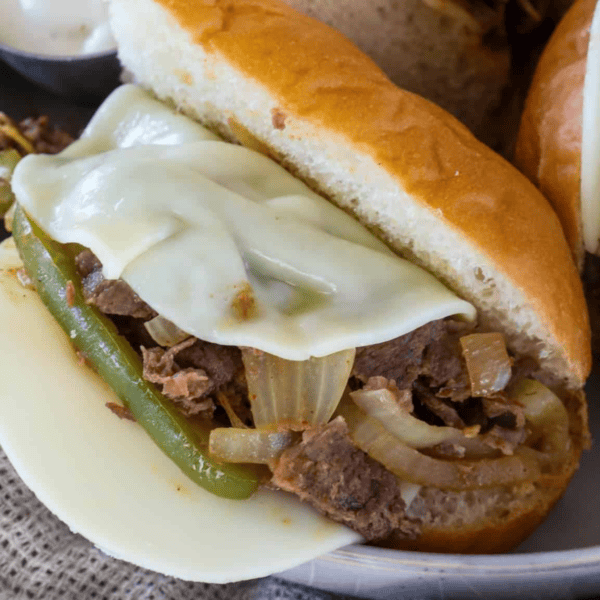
{"x": 222, "y": 240}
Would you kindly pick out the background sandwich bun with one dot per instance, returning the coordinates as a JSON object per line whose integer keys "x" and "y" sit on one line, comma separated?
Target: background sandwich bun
{"x": 256, "y": 71}
{"x": 557, "y": 144}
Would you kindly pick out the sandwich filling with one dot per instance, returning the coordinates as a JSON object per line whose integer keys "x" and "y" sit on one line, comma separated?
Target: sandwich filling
{"x": 257, "y": 306}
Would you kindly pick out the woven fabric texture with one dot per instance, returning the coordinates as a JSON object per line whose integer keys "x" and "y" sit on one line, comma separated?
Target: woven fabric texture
{"x": 41, "y": 559}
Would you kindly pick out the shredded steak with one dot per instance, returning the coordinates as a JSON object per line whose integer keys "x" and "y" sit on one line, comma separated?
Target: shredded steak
{"x": 399, "y": 359}
{"x": 111, "y": 296}
{"x": 344, "y": 483}
{"x": 191, "y": 371}
{"x": 443, "y": 362}
{"x": 442, "y": 410}
{"x": 45, "y": 139}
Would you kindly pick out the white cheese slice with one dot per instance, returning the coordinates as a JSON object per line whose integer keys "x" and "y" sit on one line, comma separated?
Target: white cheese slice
{"x": 108, "y": 481}
{"x": 590, "y": 141}
{"x": 221, "y": 240}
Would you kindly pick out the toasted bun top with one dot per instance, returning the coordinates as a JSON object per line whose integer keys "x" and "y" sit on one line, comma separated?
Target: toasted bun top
{"x": 548, "y": 148}
{"x": 403, "y": 166}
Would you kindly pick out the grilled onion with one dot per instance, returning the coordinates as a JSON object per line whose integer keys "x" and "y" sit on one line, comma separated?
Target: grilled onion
{"x": 547, "y": 417}
{"x": 231, "y": 444}
{"x": 164, "y": 332}
{"x": 295, "y": 394}
{"x": 381, "y": 404}
{"x": 410, "y": 465}
{"x": 487, "y": 361}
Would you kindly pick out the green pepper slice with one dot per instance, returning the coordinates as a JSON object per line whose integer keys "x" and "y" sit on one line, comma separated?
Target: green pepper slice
{"x": 52, "y": 268}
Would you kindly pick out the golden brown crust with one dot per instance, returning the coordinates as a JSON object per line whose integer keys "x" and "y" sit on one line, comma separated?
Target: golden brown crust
{"x": 484, "y": 539}
{"x": 310, "y": 69}
{"x": 548, "y": 148}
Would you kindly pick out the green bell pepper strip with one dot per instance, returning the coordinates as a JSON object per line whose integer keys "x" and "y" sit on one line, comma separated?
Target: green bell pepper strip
{"x": 51, "y": 266}
{"x": 8, "y": 162}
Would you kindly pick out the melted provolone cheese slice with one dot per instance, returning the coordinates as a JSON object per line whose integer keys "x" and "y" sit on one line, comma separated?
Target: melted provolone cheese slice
{"x": 221, "y": 240}
{"x": 590, "y": 141}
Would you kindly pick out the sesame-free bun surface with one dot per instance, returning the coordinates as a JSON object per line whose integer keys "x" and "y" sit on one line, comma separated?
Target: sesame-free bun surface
{"x": 437, "y": 49}
{"x": 548, "y": 148}
{"x": 403, "y": 166}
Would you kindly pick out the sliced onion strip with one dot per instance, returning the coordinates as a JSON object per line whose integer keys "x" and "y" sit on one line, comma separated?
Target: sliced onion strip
{"x": 231, "y": 444}
{"x": 411, "y": 465}
{"x": 295, "y": 394}
{"x": 381, "y": 404}
{"x": 164, "y": 332}
{"x": 487, "y": 361}
{"x": 229, "y": 410}
{"x": 547, "y": 416}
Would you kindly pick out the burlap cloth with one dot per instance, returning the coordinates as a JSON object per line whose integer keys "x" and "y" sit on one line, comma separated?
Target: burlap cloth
{"x": 41, "y": 559}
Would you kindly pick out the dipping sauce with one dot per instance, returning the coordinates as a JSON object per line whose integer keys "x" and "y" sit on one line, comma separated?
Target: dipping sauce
{"x": 56, "y": 27}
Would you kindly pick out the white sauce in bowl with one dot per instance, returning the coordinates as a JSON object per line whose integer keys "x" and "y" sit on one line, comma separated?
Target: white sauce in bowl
{"x": 56, "y": 27}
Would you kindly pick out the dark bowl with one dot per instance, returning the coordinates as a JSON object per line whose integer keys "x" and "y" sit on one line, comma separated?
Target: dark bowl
{"x": 75, "y": 77}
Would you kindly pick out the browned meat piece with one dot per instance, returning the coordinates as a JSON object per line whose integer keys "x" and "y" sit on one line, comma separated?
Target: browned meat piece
{"x": 432, "y": 351}
{"x": 505, "y": 440}
{"x": 45, "y": 139}
{"x": 186, "y": 386}
{"x": 121, "y": 411}
{"x": 344, "y": 483}
{"x": 500, "y": 410}
{"x": 456, "y": 390}
{"x": 442, "y": 410}
{"x": 443, "y": 362}
{"x": 115, "y": 297}
{"x": 87, "y": 262}
{"x": 193, "y": 370}
{"x": 399, "y": 359}
{"x": 112, "y": 297}
{"x": 223, "y": 364}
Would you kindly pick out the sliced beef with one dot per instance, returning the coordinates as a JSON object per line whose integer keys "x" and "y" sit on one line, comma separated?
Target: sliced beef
{"x": 111, "y": 296}
{"x": 87, "y": 262}
{"x": 186, "y": 386}
{"x": 223, "y": 364}
{"x": 192, "y": 371}
{"x": 399, "y": 359}
{"x": 442, "y": 410}
{"x": 505, "y": 440}
{"x": 344, "y": 483}
{"x": 444, "y": 367}
{"x": 45, "y": 139}
{"x": 431, "y": 352}
{"x": 115, "y": 297}
{"x": 443, "y": 360}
